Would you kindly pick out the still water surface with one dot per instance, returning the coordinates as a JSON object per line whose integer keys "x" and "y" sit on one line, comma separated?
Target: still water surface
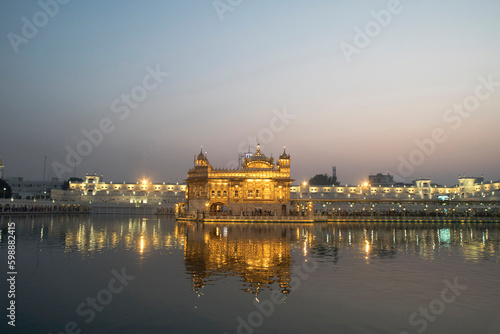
{"x": 117, "y": 274}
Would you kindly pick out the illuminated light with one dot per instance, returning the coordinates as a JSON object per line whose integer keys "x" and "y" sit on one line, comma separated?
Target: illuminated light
{"x": 142, "y": 244}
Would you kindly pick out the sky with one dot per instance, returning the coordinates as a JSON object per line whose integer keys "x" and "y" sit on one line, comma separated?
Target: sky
{"x": 132, "y": 89}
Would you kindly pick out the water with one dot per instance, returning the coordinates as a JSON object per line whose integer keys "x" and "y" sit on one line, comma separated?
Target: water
{"x": 251, "y": 278}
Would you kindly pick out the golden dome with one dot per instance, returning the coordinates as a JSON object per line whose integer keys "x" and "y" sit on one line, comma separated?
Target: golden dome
{"x": 201, "y": 156}
{"x": 258, "y": 160}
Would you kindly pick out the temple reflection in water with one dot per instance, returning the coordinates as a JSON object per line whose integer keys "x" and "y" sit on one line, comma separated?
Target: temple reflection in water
{"x": 260, "y": 254}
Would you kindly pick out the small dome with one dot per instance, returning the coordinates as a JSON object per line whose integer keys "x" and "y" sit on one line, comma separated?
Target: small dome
{"x": 284, "y": 155}
{"x": 201, "y": 156}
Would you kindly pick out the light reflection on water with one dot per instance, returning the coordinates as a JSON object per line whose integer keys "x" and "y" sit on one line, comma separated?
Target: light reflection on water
{"x": 262, "y": 242}
{"x": 89, "y": 236}
{"x": 396, "y": 267}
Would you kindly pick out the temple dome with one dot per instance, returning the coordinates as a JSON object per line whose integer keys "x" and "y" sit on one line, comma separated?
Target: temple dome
{"x": 201, "y": 156}
{"x": 259, "y": 160}
{"x": 258, "y": 156}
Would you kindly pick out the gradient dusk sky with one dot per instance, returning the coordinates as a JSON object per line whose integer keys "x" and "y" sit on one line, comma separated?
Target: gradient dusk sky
{"x": 235, "y": 70}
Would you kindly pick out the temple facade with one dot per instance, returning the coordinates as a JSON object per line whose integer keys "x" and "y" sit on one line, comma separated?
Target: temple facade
{"x": 259, "y": 187}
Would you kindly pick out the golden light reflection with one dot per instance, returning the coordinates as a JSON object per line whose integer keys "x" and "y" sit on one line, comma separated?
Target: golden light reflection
{"x": 136, "y": 234}
{"x": 259, "y": 254}
{"x": 142, "y": 245}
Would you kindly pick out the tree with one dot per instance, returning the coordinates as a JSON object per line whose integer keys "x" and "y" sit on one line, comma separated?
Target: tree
{"x": 8, "y": 190}
{"x": 65, "y": 185}
{"x": 323, "y": 179}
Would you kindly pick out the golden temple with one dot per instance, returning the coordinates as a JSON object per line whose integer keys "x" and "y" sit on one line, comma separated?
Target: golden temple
{"x": 260, "y": 188}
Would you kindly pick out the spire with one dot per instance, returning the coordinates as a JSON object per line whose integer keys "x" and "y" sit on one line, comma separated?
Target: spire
{"x": 258, "y": 148}
{"x": 284, "y": 155}
{"x": 201, "y": 156}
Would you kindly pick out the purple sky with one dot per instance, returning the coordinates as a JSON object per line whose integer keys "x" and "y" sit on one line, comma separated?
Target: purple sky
{"x": 361, "y": 82}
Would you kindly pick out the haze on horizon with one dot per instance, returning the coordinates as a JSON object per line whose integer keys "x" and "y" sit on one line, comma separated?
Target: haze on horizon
{"x": 235, "y": 73}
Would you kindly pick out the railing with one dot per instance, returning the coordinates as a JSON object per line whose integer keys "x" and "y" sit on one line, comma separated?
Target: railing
{"x": 260, "y": 218}
{"x": 405, "y": 218}
{"x": 344, "y": 217}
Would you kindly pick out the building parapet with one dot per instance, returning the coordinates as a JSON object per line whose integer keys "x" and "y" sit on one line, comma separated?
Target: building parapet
{"x": 470, "y": 187}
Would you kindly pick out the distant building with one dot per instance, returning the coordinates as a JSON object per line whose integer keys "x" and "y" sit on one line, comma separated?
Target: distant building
{"x": 26, "y": 189}
{"x": 468, "y": 186}
{"x": 422, "y": 188}
{"x": 259, "y": 187}
{"x": 95, "y": 190}
{"x": 381, "y": 179}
